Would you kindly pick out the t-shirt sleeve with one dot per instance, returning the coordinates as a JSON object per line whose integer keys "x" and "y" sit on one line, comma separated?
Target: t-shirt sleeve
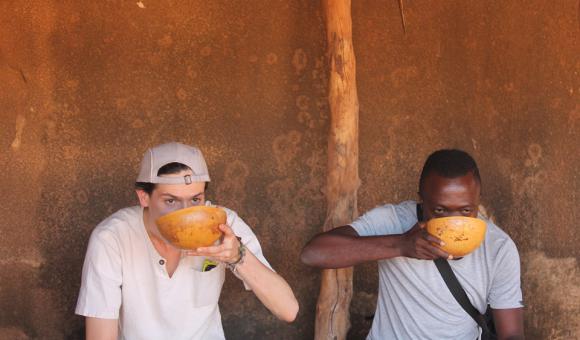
{"x": 100, "y": 293}
{"x": 386, "y": 220}
{"x": 249, "y": 239}
{"x": 506, "y": 289}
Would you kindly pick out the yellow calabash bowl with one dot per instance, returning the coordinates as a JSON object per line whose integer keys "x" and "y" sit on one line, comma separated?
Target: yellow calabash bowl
{"x": 461, "y": 234}
{"x": 192, "y": 227}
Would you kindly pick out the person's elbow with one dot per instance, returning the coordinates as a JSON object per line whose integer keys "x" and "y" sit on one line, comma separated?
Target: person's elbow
{"x": 291, "y": 312}
{"x": 306, "y": 256}
{"x": 321, "y": 252}
{"x": 310, "y": 257}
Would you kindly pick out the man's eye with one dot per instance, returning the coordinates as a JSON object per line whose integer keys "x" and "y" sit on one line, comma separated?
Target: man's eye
{"x": 170, "y": 201}
{"x": 466, "y": 211}
{"x": 439, "y": 211}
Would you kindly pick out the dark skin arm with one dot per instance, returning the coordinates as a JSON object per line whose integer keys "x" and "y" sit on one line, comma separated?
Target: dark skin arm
{"x": 343, "y": 247}
{"x": 509, "y": 323}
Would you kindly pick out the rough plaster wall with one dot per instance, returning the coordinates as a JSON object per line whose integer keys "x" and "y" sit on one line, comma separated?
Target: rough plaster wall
{"x": 87, "y": 86}
{"x": 500, "y": 80}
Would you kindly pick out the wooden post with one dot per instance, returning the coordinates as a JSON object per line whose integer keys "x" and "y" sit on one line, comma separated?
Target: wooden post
{"x": 332, "y": 310}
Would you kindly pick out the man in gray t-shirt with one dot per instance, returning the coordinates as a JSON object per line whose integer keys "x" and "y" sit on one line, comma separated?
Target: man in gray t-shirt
{"x": 414, "y": 301}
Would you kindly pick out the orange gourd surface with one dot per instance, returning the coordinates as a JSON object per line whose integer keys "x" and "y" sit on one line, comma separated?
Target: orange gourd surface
{"x": 192, "y": 227}
{"x": 461, "y": 234}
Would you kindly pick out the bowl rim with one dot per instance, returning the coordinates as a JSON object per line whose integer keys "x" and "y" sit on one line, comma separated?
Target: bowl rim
{"x": 213, "y": 208}
{"x": 465, "y": 218}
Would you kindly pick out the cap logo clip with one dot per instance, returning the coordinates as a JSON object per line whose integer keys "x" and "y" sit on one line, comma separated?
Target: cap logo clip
{"x": 187, "y": 179}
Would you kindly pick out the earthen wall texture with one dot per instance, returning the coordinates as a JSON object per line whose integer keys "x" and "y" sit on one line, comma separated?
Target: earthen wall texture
{"x": 87, "y": 86}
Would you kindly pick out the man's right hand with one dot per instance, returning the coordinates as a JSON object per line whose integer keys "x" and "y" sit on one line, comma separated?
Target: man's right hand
{"x": 343, "y": 247}
{"x": 419, "y": 244}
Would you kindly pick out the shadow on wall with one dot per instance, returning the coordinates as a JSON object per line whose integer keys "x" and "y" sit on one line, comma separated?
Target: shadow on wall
{"x": 69, "y": 211}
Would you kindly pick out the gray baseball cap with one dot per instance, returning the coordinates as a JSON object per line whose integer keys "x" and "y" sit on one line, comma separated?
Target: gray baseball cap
{"x": 163, "y": 154}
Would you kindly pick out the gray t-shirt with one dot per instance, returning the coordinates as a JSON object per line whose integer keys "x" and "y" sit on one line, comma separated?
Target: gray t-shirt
{"x": 413, "y": 300}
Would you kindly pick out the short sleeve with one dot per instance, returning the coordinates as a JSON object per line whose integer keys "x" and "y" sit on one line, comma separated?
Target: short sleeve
{"x": 100, "y": 293}
{"x": 506, "y": 289}
{"x": 388, "y": 219}
{"x": 249, "y": 239}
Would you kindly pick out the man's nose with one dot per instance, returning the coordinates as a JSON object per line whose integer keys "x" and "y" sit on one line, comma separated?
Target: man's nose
{"x": 452, "y": 213}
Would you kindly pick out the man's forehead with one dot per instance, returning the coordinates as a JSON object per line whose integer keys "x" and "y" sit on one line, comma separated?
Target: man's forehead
{"x": 180, "y": 190}
{"x": 437, "y": 183}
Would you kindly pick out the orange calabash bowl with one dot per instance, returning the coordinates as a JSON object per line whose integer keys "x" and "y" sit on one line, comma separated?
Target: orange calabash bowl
{"x": 192, "y": 227}
{"x": 461, "y": 234}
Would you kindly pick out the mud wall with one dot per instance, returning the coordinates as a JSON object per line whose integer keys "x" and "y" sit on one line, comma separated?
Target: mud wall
{"x": 86, "y": 87}
{"x": 499, "y": 80}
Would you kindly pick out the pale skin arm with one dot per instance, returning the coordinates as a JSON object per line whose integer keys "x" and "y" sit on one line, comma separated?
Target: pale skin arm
{"x": 101, "y": 329}
{"x": 269, "y": 287}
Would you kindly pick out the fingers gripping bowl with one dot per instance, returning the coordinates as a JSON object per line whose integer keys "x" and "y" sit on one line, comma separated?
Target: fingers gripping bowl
{"x": 461, "y": 234}
{"x": 192, "y": 227}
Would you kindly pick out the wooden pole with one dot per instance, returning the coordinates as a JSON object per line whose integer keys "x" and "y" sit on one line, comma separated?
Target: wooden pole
{"x": 332, "y": 310}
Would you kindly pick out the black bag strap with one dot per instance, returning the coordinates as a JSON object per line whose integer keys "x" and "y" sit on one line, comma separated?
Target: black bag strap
{"x": 459, "y": 294}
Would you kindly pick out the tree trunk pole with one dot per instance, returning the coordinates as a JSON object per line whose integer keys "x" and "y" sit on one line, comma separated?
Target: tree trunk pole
{"x": 332, "y": 310}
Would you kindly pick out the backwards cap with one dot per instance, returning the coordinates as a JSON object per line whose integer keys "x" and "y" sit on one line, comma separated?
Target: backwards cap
{"x": 163, "y": 154}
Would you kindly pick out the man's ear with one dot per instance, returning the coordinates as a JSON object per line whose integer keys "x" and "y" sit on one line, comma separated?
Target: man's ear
{"x": 143, "y": 198}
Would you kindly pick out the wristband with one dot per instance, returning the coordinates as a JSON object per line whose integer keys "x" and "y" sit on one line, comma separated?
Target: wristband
{"x": 241, "y": 254}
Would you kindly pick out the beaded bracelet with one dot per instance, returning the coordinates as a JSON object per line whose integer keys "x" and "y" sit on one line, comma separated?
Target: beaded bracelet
{"x": 242, "y": 253}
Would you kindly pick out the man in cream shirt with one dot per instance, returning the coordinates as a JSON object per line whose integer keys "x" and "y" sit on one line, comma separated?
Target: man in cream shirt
{"x": 135, "y": 285}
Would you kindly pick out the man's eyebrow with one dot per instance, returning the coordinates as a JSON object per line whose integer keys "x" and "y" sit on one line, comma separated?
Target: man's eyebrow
{"x": 166, "y": 194}
{"x": 459, "y": 207}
